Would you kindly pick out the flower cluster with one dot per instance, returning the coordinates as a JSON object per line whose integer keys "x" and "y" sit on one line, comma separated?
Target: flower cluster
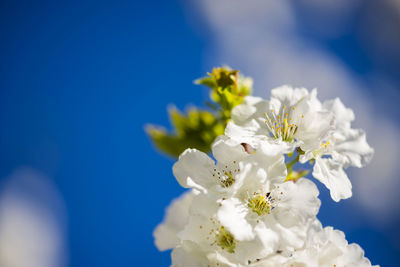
{"x": 251, "y": 205}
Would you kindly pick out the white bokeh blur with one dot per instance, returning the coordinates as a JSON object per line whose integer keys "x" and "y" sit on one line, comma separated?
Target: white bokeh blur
{"x": 262, "y": 39}
{"x": 32, "y": 221}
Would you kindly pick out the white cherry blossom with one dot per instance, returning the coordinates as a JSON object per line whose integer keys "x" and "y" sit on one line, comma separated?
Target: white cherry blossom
{"x": 247, "y": 207}
{"x": 328, "y": 247}
{"x": 349, "y": 146}
{"x": 284, "y": 208}
{"x": 233, "y": 238}
{"x": 292, "y": 118}
{"x": 177, "y": 216}
{"x": 344, "y": 147}
{"x": 197, "y": 170}
{"x": 295, "y": 118}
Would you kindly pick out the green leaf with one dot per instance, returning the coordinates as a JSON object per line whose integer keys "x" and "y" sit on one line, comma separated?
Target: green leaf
{"x": 196, "y": 129}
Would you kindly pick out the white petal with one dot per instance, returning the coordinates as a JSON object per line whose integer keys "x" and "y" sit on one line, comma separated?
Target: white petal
{"x": 354, "y": 256}
{"x": 232, "y": 215}
{"x": 268, "y": 238}
{"x": 354, "y": 150}
{"x": 197, "y": 230}
{"x": 245, "y": 171}
{"x": 312, "y": 99}
{"x": 344, "y": 116}
{"x": 189, "y": 254}
{"x": 298, "y": 202}
{"x": 276, "y": 147}
{"x": 194, "y": 170}
{"x": 329, "y": 247}
{"x": 265, "y": 170}
{"x": 204, "y": 204}
{"x": 290, "y": 238}
{"x": 272, "y": 160}
{"x": 177, "y": 216}
{"x": 225, "y": 149}
{"x": 287, "y": 95}
{"x": 246, "y": 134}
{"x": 328, "y": 234}
{"x": 314, "y": 128}
{"x": 243, "y": 112}
{"x": 256, "y": 178}
{"x": 265, "y": 244}
{"x": 331, "y": 174}
{"x": 216, "y": 259}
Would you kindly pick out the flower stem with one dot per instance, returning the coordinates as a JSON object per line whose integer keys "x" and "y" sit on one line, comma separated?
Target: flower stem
{"x": 295, "y": 175}
{"x": 290, "y": 164}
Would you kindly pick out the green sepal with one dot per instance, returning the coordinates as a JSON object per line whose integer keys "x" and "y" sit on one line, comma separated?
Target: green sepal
{"x": 228, "y": 88}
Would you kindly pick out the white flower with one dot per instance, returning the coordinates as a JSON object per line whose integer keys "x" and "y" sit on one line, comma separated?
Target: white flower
{"x": 219, "y": 218}
{"x": 247, "y": 207}
{"x": 349, "y": 146}
{"x": 285, "y": 209}
{"x": 165, "y": 234}
{"x": 344, "y": 146}
{"x": 328, "y": 247}
{"x": 257, "y": 211}
{"x": 324, "y": 247}
{"x": 197, "y": 170}
{"x": 233, "y": 238}
{"x": 296, "y": 118}
{"x": 266, "y": 203}
{"x": 189, "y": 254}
{"x": 292, "y": 118}
{"x": 332, "y": 175}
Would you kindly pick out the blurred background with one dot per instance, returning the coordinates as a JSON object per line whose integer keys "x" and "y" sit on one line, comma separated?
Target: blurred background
{"x": 80, "y": 182}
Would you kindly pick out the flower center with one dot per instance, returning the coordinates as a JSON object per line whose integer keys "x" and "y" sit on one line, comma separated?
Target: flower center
{"x": 261, "y": 204}
{"x": 225, "y": 240}
{"x": 225, "y": 175}
{"x": 324, "y": 148}
{"x": 282, "y": 125}
{"x": 221, "y": 236}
